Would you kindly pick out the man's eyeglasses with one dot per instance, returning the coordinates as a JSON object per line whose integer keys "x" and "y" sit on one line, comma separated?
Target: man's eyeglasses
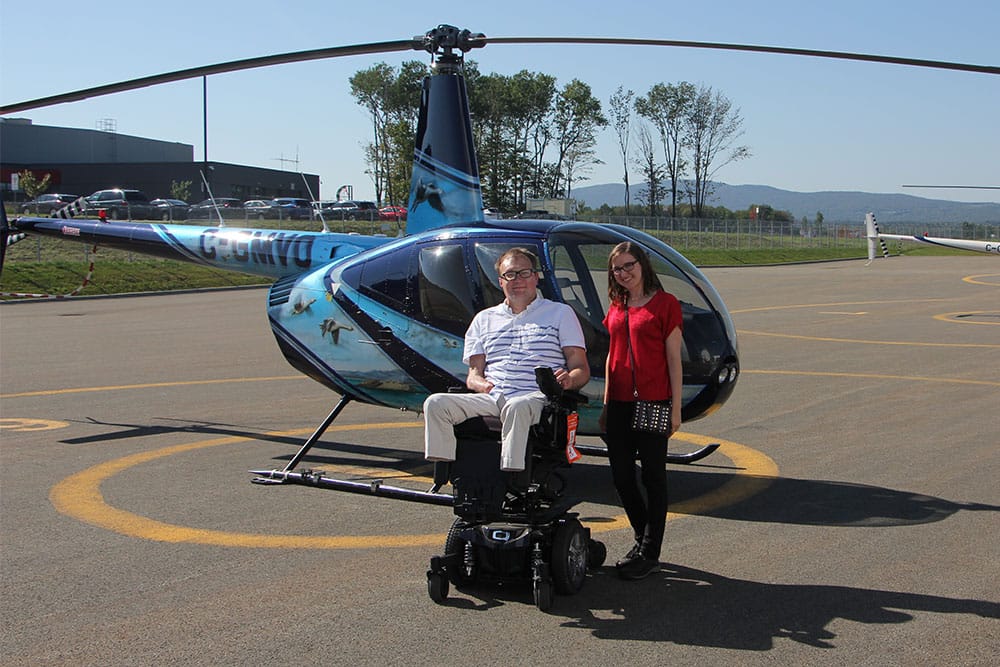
{"x": 524, "y": 274}
{"x": 627, "y": 266}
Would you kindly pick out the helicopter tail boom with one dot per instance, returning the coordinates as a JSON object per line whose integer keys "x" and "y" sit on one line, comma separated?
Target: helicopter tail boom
{"x": 265, "y": 252}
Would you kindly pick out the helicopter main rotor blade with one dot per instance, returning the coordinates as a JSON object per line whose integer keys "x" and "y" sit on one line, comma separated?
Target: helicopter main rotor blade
{"x": 419, "y": 43}
{"x": 843, "y": 55}
{"x": 232, "y": 66}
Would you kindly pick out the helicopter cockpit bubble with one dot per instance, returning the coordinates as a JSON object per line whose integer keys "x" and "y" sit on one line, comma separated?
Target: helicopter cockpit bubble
{"x": 391, "y": 320}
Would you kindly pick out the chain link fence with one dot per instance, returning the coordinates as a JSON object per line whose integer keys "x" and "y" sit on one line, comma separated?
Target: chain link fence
{"x": 733, "y": 234}
{"x": 681, "y": 233}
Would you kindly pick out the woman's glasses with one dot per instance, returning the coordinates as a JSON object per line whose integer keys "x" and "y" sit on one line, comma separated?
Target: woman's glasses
{"x": 627, "y": 266}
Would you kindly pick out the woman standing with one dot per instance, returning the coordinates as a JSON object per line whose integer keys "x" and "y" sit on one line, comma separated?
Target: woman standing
{"x": 644, "y": 362}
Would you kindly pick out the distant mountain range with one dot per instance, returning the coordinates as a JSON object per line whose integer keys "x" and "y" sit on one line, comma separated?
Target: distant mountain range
{"x": 836, "y": 206}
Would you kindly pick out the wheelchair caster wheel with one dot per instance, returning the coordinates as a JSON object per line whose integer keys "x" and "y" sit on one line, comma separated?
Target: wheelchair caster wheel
{"x": 437, "y": 587}
{"x": 543, "y": 595}
{"x": 597, "y": 553}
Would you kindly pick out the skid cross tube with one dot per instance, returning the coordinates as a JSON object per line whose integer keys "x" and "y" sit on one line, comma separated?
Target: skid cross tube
{"x": 318, "y": 433}
{"x": 306, "y": 446}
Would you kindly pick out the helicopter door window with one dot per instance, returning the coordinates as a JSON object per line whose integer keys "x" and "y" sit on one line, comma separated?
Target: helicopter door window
{"x": 384, "y": 279}
{"x": 445, "y": 295}
{"x": 580, "y": 274}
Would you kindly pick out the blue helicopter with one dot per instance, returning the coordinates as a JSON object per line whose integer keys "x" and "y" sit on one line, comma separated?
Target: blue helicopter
{"x": 381, "y": 320}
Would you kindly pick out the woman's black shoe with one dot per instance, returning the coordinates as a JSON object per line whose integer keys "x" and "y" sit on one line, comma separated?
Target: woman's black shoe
{"x": 634, "y": 554}
{"x": 640, "y": 568}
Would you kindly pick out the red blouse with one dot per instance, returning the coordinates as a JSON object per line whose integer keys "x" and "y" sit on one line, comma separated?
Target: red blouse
{"x": 650, "y": 325}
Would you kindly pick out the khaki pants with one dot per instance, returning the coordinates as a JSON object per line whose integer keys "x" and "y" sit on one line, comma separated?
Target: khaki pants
{"x": 443, "y": 411}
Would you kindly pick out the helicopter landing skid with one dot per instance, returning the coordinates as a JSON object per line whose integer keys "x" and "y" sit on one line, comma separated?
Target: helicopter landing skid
{"x": 374, "y": 488}
{"x": 690, "y": 457}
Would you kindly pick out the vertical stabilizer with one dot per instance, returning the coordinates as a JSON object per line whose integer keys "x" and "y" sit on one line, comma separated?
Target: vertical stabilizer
{"x": 871, "y": 231}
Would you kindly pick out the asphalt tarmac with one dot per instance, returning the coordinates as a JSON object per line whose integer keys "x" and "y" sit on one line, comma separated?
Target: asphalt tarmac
{"x": 850, "y": 516}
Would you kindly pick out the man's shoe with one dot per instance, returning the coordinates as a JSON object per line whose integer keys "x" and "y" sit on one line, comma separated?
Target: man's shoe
{"x": 640, "y": 568}
{"x": 634, "y": 554}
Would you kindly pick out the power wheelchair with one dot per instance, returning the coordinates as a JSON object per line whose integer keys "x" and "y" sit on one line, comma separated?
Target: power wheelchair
{"x": 515, "y": 526}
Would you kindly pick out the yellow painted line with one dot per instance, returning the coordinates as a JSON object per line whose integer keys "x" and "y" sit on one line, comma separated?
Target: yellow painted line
{"x": 877, "y": 376}
{"x": 975, "y": 280}
{"x": 23, "y": 424}
{"x": 794, "y": 306}
{"x": 79, "y": 496}
{"x": 953, "y": 317}
{"x": 149, "y": 385}
{"x": 867, "y": 342}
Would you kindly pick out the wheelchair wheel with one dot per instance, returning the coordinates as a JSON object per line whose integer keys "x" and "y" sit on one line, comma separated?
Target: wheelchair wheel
{"x": 569, "y": 557}
{"x": 437, "y": 587}
{"x": 465, "y": 573}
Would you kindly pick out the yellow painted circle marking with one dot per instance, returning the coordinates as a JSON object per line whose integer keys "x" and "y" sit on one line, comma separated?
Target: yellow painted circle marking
{"x": 80, "y": 497}
{"x": 23, "y": 424}
{"x": 959, "y": 318}
{"x": 975, "y": 280}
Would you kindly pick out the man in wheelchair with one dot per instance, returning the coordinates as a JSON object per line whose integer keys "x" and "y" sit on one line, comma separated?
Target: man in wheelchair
{"x": 503, "y": 347}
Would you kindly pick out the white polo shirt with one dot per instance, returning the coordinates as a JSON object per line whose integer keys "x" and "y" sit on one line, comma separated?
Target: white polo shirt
{"x": 515, "y": 344}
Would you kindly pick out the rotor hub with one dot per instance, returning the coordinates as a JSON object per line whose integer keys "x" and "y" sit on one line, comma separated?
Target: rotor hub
{"x": 444, "y": 40}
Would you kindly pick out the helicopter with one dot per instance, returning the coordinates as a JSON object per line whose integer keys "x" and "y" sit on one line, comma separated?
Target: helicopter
{"x": 381, "y": 320}
{"x": 876, "y": 237}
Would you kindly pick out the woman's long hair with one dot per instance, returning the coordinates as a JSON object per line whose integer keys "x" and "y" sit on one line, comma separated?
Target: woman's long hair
{"x": 650, "y": 281}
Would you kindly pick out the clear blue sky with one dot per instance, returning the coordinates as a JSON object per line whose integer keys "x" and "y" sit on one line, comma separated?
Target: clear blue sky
{"x": 811, "y": 124}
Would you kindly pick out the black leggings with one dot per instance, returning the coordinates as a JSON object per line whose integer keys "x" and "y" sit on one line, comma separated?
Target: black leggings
{"x": 648, "y": 516}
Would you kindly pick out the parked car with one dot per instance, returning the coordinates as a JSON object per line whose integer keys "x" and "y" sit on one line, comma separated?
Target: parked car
{"x": 120, "y": 204}
{"x": 353, "y": 210}
{"x": 291, "y": 208}
{"x": 205, "y": 209}
{"x": 322, "y": 207}
{"x": 492, "y": 214}
{"x": 257, "y": 208}
{"x": 171, "y": 209}
{"x": 392, "y": 213}
{"x": 45, "y": 204}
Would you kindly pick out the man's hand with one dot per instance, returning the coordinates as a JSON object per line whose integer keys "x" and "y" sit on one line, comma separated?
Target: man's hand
{"x": 563, "y": 378}
{"x": 476, "y": 381}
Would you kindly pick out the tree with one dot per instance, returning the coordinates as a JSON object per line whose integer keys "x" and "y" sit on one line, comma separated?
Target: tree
{"x": 180, "y": 190}
{"x": 668, "y": 107}
{"x": 31, "y": 184}
{"x": 711, "y": 126}
{"x": 508, "y": 119}
{"x": 576, "y": 119}
{"x": 621, "y": 116}
{"x": 392, "y": 98}
{"x": 818, "y": 224}
{"x": 652, "y": 170}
